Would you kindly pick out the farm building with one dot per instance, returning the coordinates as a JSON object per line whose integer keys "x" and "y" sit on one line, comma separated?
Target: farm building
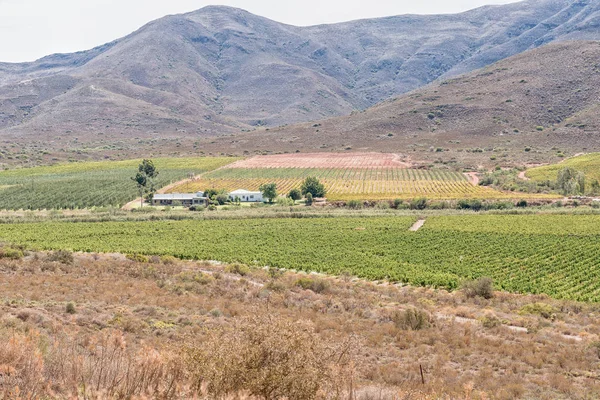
{"x": 246, "y": 196}
{"x": 184, "y": 199}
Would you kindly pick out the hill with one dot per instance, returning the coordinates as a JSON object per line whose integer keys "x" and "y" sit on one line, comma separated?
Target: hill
{"x": 589, "y": 164}
{"x": 221, "y": 70}
{"x": 531, "y": 108}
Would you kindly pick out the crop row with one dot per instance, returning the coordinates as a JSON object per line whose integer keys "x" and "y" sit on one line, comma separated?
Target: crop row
{"x": 93, "y": 184}
{"x": 348, "y": 188}
{"x": 531, "y": 254}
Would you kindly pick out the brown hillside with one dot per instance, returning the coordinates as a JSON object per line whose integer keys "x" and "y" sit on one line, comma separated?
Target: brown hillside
{"x": 525, "y": 109}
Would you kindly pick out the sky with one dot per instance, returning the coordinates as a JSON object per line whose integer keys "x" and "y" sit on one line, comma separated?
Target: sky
{"x": 31, "y": 29}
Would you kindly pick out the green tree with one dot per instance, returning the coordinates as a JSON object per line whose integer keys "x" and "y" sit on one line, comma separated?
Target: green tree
{"x": 144, "y": 179}
{"x": 570, "y": 181}
{"x": 269, "y": 191}
{"x": 309, "y": 199}
{"x": 313, "y": 186}
{"x": 295, "y": 194}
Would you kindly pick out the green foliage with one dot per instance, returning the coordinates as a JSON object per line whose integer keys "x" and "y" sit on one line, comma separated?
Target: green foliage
{"x": 552, "y": 254}
{"x": 467, "y": 204}
{"x": 61, "y": 256}
{"x": 569, "y": 181}
{"x": 309, "y": 199}
{"x": 11, "y": 253}
{"x": 412, "y": 319}
{"x": 137, "y": 257}
{"x": 490, "y": 321}
{"x": 508, "y": 180}
{"x": 285, "y": 201}
{"x": 482, "y": 287}
{"x": 542, "y": 309}
{"x": 221, "y": 199}
{"x": 295, "y": 194}
{"x": 70, "y": 308}
{"x": 316, "y": 285}
{"x": 522, "y": 203}
{"x": 238, "y": 269}
{"x": 588, "y": 165}
{"x": 418, "y": 204}
{"x": 313, "y": 186}
{"x": 144, "y": 179}
{"x": 90, "y": 184}
{"x": 269, "y": 191}
{"x": 355, "y": 204}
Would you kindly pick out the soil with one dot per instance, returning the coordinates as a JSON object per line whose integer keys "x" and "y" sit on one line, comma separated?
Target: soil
{"x": 324, "y": 160}
{"x": 417, "y": 225}
{"x": 473, "y": 178}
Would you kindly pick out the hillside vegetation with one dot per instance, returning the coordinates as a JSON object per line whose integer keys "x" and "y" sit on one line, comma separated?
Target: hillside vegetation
{"x": 90, "y": 184}
{"x": 589, "y": 164}
{"x": 108, "y": 326}
{"x": 551, "y": 254}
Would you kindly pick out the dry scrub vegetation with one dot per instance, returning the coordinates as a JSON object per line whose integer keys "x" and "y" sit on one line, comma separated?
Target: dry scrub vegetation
{"x": 107, "y": 326}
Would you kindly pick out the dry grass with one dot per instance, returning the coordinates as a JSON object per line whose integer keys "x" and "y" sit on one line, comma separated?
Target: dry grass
{"x": 182, "y": 329}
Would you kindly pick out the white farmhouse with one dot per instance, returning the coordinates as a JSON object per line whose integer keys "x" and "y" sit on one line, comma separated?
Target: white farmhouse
{"x": 185, "y": 199}
{"x": 246, "y": 196}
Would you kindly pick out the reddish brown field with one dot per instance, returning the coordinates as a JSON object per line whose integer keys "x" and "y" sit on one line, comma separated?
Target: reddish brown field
{"x": 324, "y": 160}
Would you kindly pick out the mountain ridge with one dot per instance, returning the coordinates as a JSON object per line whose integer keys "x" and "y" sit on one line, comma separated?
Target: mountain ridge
{"x": 220, "y": 70}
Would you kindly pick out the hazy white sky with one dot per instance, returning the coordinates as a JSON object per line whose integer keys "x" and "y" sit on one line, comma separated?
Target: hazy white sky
{"x": 30, "y": 29}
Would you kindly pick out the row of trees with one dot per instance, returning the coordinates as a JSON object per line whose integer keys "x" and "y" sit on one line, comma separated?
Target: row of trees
{"x": 145, "y": 177}
{"x": 311, "y": 187}
{"x": 570, "y": 181}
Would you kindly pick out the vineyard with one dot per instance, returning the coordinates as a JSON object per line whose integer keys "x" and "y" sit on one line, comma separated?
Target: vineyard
{"x": 553, "y": 254}
{"x": 588, "y": 164}
{"x": 90, "y": 184}
{"x": 376, "y": 183}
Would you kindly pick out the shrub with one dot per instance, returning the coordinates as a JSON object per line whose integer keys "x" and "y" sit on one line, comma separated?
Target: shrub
{"x": 490, "y": 321}
{"x": 418, "y": 204}
{"x": 238, "y": 269}
{"x": 521, "y": 203}
{"x": 355, "y": 204}
{"x": 382, "y": 205}
{"x": 412, "y": 319}
{"x": 168, "y": 260}
{"x": 313, "y": 186}
{"x": 61, "y": 256}
{"x": 267, "y": 358}
{"x": 482, "y": 287}
{"x": 316, "y": 285}
{"x": 222, "y": 199}
{"x": 70, "y": 308}
{"x": 542, "y": 309}
{"x": 295, "y": 194}
{"x": 309, "y": 199}
{"x": 285, "y": 201}
{"x": 137, "y": 258}
{"x": 9, "y": 252}
{"x": 474, "y": 205}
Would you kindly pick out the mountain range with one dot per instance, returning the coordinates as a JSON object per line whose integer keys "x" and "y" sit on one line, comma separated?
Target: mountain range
{"x": 222, "y": 71}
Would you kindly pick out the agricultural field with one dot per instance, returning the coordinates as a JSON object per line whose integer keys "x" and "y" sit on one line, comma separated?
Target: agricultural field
{"x": 589, "y": 164}
{"x": 552, "y": 254}
{"x": 325, "y": 160}
{"x": 376, "y": 183}
{"x": 90, "y": 184}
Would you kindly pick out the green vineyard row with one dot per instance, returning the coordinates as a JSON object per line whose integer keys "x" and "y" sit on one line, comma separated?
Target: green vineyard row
{"x": 553, "y": 254}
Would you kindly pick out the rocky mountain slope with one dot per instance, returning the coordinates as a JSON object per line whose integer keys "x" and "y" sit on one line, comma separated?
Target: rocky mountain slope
{"x": 534, "y": 107}
{"x": 221, "y": 70}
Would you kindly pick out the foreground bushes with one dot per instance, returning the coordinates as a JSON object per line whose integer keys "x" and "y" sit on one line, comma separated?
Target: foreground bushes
{"x": 268, "y": 358}
{"x": 264, "y": 357}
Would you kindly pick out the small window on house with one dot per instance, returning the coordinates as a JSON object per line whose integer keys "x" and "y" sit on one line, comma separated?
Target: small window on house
{"x": 252, "y": 196}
